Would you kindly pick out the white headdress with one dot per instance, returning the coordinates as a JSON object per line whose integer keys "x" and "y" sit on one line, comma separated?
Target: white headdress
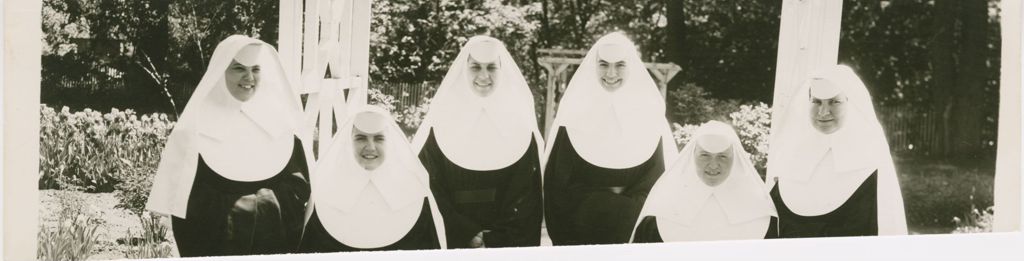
{"x": 818, "y": 172}
{"x": 245, "y": 141}
{"x": 482, "y": 133}
{"x": 341, "y": 189}
{"x": 679, "y": 196}
{"x": 619, "y": 129}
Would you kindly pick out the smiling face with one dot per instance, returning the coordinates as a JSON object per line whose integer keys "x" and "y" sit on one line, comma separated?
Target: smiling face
{"x": 828, "y": 107}
{"x": 369, "y": 144}
{"x": 612, "y": 70}
{"x": 611, "y": 74}
{"x": 483, "y": 76}
{"x": 242, "y": 76}
{"x": 369, "y": 148}
{"x": 713, "y": 168}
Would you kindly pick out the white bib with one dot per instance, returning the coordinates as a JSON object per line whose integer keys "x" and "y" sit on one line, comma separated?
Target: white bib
{"x": 371, "y": 223}
{"x": 711, "y": 224}
{"x": 824, "y": 191}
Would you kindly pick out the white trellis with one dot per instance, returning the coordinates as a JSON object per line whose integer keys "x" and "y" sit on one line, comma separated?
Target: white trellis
{"x": 556, "y": 61}
{"x": 321, "y": 36}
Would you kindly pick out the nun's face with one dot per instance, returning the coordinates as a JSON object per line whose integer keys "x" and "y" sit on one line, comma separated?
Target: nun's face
{"x": 713, "y": 168}
{"x": 369, "y": 148}
{"x": 611, "y": 74}
{"x": 483, "y": 76}
{"x": 827, "y": 115}
{"x": 243, "y": 80}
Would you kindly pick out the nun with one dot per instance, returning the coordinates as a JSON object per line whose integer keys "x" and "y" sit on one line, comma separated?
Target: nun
{"x": 606, "y": 147}
{"x": 830, "y": 168}
{"x": 234, "y": 172}
{"x": 370, "y": 192}
{"x": 479, "y": 143}
{"x": 711, "y": 192}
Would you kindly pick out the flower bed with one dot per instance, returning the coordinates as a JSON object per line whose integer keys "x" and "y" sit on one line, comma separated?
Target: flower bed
{"x": 94, "y": 152}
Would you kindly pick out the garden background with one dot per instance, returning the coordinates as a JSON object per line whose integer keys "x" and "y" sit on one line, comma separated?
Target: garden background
{"x": 115, "y": 73}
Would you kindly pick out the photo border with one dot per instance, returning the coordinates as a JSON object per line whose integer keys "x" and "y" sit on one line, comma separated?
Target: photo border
{"x": 21, "y": 71}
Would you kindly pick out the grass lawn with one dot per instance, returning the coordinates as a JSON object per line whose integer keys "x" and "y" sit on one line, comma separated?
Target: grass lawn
{"x": 935, "y": 192}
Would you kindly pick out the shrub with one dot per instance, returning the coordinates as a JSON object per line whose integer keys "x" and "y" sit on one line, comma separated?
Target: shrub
{"x": 152, "y": 228}
{"x": 133, "y": 192}
{"x": 152, "y": 242}
{"x": 977, "y": 221}
{"x": 408, "y": 117}
{"x": 382, "y": 99}
{"x": 94, "y": 152}
{"x": 74, "y": 236}
{"x": 149, "y": 250}
{"x": 751, "y": 122}
{"x": 691, "y": 104}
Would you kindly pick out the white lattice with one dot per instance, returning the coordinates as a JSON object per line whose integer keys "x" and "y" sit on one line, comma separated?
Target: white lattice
{"x": 324, "y": 35}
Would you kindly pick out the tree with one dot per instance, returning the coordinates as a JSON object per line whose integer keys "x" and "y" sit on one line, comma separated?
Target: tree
{"x": 939, "y": 57}
{"x": 728, "y": 49}
{"x": 146, "y": 55}
{"x": 942, "y": 62}
{"x": 197, "y": 27}
{"x": 414, "y": 41}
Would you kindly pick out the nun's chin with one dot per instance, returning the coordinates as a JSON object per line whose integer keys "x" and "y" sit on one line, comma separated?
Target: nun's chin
{"x": 242, "y": 94}
{"x": 483, "y": 91}
{"x": 370, "y": 165}
{"x": 828, "y": 127}
{"x": 611, "y": 87}
{"x": 711, "y": 181}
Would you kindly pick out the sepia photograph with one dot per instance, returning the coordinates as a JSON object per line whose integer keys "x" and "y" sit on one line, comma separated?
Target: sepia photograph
{"x": 203, "y": 128}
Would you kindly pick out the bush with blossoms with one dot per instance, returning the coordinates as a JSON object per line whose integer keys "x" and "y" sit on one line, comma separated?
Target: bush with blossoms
{"x": 751, "y": 122}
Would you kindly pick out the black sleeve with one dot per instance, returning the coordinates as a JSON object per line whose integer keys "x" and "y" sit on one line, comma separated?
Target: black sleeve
{"x": 293, "y": 194}
{"x": 459, "y": 229}
{"x": 557, "y": 202}
{"x": 430, "y": 240}
{"x": 647, "y": 231}
{"x": 255, "y": 226}
{"x": 520, "y": 212}
{"x": 773, "y": 229}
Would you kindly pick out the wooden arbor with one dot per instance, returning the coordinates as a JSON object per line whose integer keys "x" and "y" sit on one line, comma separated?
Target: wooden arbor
{"x": 556, "y": 61}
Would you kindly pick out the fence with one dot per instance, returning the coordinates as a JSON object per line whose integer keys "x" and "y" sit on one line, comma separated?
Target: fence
{"x": 87, "y": 84}
{"x": 407, "y": 95}
{"x": 141, "y": 95}
{"x": 920, "y": 133}
{"x": 909, "y": 131}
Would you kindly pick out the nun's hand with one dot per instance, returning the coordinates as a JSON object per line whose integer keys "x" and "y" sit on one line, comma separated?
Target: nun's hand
{"x": 254, "y": 224}
{"x": 250, "y": 204}
{"x": 477, "y": 241}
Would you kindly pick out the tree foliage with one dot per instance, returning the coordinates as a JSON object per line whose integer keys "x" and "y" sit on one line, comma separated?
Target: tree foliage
{"x": 415, "y": 41}
{"x": 937, "y": 56}
{"x": 728, "y": 49}
{"x": 136, "y": 54}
